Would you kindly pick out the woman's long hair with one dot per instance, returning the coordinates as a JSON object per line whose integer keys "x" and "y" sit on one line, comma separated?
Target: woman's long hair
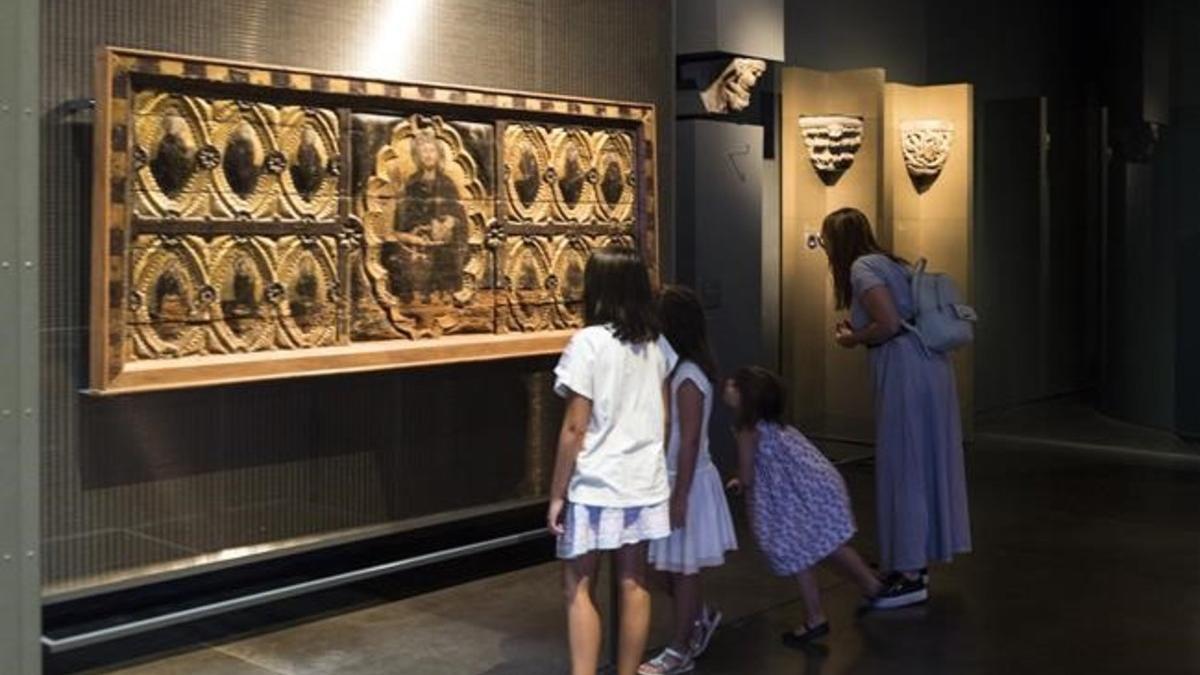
{"x": 616, "y": 292}
{"x": 846, "y": 236}
{"x": 684, "y": 326}
{"x": 762, "y": 394}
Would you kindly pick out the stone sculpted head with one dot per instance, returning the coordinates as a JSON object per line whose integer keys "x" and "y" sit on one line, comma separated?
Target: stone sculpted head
{"x": 730, "y": 91}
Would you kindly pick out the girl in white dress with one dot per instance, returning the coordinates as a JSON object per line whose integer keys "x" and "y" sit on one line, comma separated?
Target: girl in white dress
{"x": 701, "y": 527}
{"x": 610, "y": 487}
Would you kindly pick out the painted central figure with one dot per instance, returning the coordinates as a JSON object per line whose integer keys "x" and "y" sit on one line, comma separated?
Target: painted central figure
{"x": 430, "y": 246}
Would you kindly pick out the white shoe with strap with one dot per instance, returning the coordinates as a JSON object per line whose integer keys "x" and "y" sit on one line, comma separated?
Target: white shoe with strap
{"x": 669, "y": 662}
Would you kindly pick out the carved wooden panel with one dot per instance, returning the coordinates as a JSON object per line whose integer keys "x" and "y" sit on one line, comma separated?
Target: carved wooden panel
{"x": 258, "y": 222}
{"x": 568, "y": 190}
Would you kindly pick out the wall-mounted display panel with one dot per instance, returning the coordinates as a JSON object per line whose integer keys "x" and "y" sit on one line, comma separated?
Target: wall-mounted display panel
{"x": 928, "y": 177}
{"x": 831, "y": 135}
{"x": 255, "y": 222}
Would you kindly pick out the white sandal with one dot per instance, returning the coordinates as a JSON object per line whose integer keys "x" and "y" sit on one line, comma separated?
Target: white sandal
{"x": 669, "y": 662}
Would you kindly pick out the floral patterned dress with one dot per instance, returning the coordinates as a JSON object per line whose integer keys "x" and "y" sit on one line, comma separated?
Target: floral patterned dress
{"x": 799, "y": 508}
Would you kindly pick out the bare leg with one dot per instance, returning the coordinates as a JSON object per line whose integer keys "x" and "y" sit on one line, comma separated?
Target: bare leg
{"x": 583, "y": 620}
{"x": 847, "y": 562}
{"x": 810, "y": 593}
{"x": 635, "y": 607}
{"x": 688, "y": 601}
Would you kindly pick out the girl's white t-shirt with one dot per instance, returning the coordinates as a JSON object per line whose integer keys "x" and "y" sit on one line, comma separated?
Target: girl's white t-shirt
{"x": 622, "y": 462}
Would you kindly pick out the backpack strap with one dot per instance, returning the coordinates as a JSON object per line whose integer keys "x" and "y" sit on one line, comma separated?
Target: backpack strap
{"x": 918, "y": 273}
{"x": 910, "y": 325}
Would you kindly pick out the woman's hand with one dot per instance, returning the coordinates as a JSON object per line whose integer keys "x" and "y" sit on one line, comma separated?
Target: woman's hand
{"x": 734, "y": 486}
{"x": 554, "y": 517}
{"x": 843, "y": 334}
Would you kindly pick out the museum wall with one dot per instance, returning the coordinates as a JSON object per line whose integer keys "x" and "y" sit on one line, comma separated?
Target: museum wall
{"x": 1055, "y": 258}
{"x": 859, "y": 34}
{"x": 136, "y": 483}
{"x": 1139, "y": 373}
{"x": 1183, "y": 147}
{"x": 1139, "y": 368}
{"x": 1010, "y": 266}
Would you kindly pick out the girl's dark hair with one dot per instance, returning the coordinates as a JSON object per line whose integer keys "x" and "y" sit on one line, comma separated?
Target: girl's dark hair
{"x": 762, "y": 395}
{"x": 684, "y": 326}
{"x": 846, "y": 235}
{"x": 616, "y": 292}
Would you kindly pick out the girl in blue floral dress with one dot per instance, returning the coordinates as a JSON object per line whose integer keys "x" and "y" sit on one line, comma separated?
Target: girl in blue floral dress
{"x": 799, "y": 508}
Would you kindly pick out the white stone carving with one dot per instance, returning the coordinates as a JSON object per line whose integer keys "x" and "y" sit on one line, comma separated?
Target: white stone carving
{"x": 925, "y": 145}
{"x": 730, "y": 91}
{"x": 832, "y": 142}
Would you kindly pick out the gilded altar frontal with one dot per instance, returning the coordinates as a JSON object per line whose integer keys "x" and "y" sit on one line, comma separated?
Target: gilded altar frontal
{"x": 255, "y": 222}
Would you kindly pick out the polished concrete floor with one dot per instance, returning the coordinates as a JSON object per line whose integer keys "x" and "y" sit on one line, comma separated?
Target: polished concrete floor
{"x": 1087, "y": 561}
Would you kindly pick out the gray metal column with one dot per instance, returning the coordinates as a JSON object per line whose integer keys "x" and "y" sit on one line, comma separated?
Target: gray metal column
{"x": 20, "y": 578}
{"x": 720, "y": 186}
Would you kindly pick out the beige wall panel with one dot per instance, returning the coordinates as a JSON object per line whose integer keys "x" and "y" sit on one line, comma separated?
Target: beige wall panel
{"x": 803, "y": 295}
{"x": 830, "y": 386}
{"x": 935, "y": 224}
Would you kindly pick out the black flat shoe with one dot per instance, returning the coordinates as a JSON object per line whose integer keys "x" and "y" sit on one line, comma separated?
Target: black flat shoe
{"x": 801, "y": 640}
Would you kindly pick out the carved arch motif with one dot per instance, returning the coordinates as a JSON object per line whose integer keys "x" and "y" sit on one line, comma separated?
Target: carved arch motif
{"x": 172, "y": 155}
{"x": 526, "y": 161}
{"x": 528, "y": 284}
{"x": 616, "y": 176}
{"x": 247, "y": 180}
{"x": 572, "y": 174}
{"x": 570, "y": 260}
{"x": 310, "y": 304}
{"x": 310, "y": 142}
{"x": 171, "y": 300}
{"x": 245, "y": 312}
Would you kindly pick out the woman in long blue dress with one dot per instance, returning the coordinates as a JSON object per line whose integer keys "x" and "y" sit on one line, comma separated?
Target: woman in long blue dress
{"x": 921, "y": 490}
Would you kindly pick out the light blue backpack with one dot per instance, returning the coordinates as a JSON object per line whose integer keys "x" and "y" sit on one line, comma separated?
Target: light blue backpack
{"x": 941, "y": 320}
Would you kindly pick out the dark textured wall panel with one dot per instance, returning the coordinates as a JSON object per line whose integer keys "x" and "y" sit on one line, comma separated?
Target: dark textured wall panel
{"x": 725, "y": 182}
{"x": 134, "y": 483}
{"x": 859, "y": 34}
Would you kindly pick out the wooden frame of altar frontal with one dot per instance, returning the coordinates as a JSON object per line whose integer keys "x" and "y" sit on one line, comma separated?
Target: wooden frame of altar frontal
{"x": 255, "y": 222}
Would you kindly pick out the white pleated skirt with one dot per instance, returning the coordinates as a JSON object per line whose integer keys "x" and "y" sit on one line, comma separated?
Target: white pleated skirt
{"x": 607, "y": 528}
{"x": 707, "y": 534}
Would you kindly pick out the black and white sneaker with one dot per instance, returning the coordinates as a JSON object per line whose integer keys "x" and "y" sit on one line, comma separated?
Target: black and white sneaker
{"x": 896, "y": 576}
{"x": 899, "y": 593}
